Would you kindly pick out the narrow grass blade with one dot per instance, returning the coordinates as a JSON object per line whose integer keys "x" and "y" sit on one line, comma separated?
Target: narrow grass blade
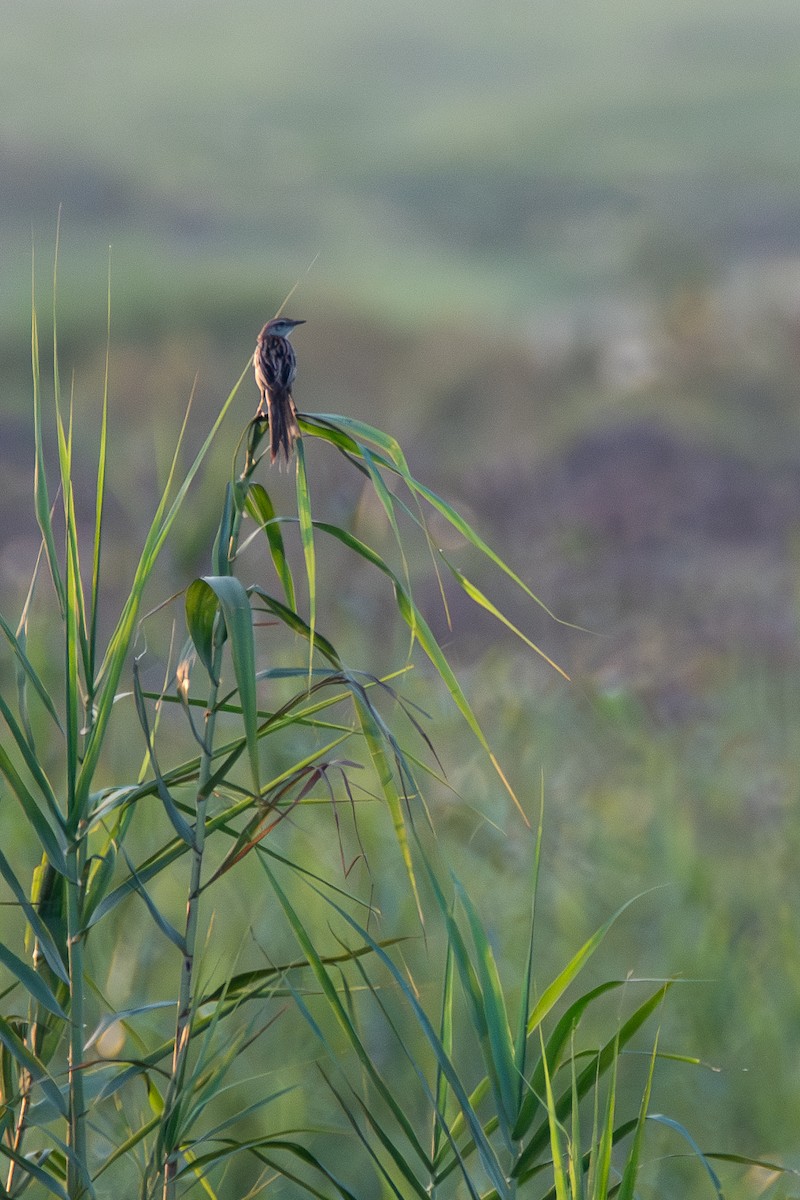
{"x": 296, "y": 623}
{"x": 521, "y": 1037}
{"x": 561, "y": 1187}
{"x": 331, "y": 995}
{"x": 238, "y": 616}
{"x": 478, "y": 597}
{"x": 41, "y": 493}
{"x": 556, "y": 989}
{"x": 52, "y": 842}
{"x": 307, "y": 542}
{"x": 31, "y": 980}
{"x": 40, "y": 930}
{"x": 29, "y": 1062}
{"x": 33, "y": 1171}
{"x": 484, "y": 1147}
{"x": 100, "y": 491}
{"x": 119, "y": 644}
{"x": 376, "y": 745}
{"x": 30, "y": 672}
{"x": 423, "y": 635}
{"x": 260, "y": 507}
{"x": 500, "y": 1042}
{"x": 660, "y": 1119}
{"x": 223, "y": 542}
{"x": 627, "y": 1189}
{"x": 33, "y": 764}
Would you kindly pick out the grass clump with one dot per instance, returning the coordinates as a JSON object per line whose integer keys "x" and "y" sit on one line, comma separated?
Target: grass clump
{"x": 265, "y": 759}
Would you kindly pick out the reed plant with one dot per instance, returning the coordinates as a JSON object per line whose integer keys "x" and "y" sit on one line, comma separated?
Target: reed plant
{"x": 466, "y": 1086}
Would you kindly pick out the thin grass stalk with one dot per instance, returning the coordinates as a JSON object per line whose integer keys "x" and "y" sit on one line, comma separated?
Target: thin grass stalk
{"x": 226, "y": 552}
{"x": 185, "y": 997}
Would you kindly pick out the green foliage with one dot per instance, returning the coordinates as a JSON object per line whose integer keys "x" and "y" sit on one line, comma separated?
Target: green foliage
{"x": 238, "y": 757}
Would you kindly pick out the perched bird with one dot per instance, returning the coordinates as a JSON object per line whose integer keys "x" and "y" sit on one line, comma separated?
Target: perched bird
{"x": 275, "y": 367}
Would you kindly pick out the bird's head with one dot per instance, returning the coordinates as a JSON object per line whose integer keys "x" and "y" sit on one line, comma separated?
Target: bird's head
{"x": 279, "y": 327}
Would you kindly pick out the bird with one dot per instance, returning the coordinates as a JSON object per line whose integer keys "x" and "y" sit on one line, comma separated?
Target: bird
{"x": 275, "y": 367}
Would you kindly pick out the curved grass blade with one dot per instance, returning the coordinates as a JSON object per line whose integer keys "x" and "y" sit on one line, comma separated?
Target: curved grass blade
{"x": 30, "y": 1063}
{"x": 261, "y": 509}
{"x": 238, "y": 616}
{"x": 30, "y": 672}
{"x": 307, "y": 542}
{"x": 296, "y": 623}
{"x": 484, "y": 1148}
{"x": 477, "y": 596}
{"x": 40, "y": 930}
{"x": 33, "y": 982}
{"x": 424, "y": 636}
{"x": 627, "y": 1189}
{"x": 660, "y": 1119}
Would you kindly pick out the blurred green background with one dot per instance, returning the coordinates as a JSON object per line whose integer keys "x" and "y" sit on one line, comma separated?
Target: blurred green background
{"x": 555, "y": 249}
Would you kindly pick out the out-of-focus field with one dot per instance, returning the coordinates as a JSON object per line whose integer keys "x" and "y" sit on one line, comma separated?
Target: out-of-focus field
{"x": 556, "y": 251}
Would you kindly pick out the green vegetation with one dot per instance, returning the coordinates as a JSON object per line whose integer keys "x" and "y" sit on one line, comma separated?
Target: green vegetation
{"x": 150, "y": 1041}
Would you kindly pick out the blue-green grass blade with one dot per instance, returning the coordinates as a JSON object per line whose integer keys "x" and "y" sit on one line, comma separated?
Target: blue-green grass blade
{"x": 601, "y": 1163}
{"x": 414, "y": 1186}
{"x": 556, "y": 1042}
{"x": 260, "y": 507}
{"x": 31, "y": 980}
{"x": 30, "y": 671}
{"x": 484, "y": 1148}
{"x": 169, "y": 930}
{"x": 499, "y": 1041}
{"x": 296, "y": 623}
{"x": 52, "y": 844}
{"x": 338, "y": 1008}
{"x": 360, "y": 431}
{"x": 463, "y": 527}
{"x": 376, "y": 745}
{"x": 670, "y": 1123}
{"x": 37, "y": 1070}
{"x": 476, "y": 1002}
{"x": 307, "y": 542}
{"x": 576, "y": 1178}
{"x": 627, "y": 1189}
{"x": 74, "y": 582}
{"x": 34, "y": 766}
{"x": 307, "y": 1158}
{"x": 238, "y": 616}
{"x": 441, "y": 1125}
{"x": 40, "y": 930}
{"x": 181, "y": 826}
{"x": 223, "y": 539}
{"x": 521, "y": 1037}
{"x": 33, "y": 1171}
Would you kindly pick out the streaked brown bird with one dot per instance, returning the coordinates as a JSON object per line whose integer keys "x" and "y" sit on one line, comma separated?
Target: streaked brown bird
{"x": 275, "y": 367}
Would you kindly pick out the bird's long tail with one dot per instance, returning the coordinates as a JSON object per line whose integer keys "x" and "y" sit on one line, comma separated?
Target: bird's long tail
{"x": 283, "y": 428}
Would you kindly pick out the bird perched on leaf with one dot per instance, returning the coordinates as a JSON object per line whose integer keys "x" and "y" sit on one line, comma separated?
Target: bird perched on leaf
{"x": 275, "y": 367}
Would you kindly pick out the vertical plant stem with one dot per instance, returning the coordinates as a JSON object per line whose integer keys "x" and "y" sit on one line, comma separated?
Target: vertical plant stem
{"x": 184, "y": 1018}
{"x": 185, "y": 1000}
{"x": 77, "y": 1164}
